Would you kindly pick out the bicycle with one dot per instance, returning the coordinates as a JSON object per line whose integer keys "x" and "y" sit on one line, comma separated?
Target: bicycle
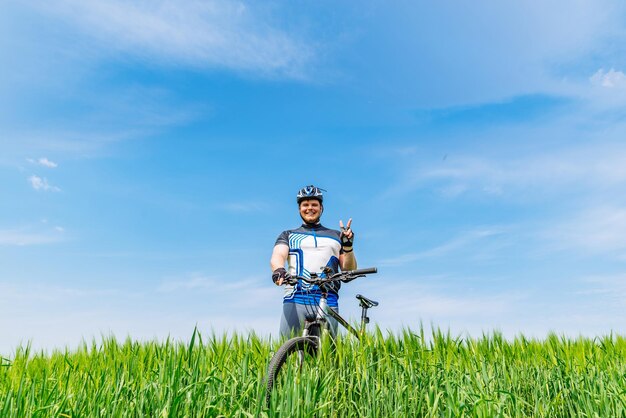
{"x": 316, "y": 323}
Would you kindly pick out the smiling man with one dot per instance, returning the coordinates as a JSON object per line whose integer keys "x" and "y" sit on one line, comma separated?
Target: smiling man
{"x": 309, "y": 249}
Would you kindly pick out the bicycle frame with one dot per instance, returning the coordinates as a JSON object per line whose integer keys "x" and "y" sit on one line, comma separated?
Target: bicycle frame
{"x": 323, "y": 311}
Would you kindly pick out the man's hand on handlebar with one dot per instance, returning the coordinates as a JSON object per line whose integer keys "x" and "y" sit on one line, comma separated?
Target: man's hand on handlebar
{"x": 281, "y": 277}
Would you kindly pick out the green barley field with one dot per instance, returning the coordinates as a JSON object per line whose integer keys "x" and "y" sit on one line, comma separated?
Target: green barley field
{"x": 405, "y": 375}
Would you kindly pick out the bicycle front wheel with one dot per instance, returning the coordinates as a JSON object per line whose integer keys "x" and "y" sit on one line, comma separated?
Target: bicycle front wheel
{"x": 298, "y": 346}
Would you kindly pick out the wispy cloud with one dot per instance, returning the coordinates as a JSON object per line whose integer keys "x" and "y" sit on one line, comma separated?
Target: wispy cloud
{"x": 193, "y": 283}
{"x": 23, "y": 237}
{"x": 43, "y": 162}
{"x": 78, "y": 141}
{"x": 449, "y": 302}
{"x": 590, "y": 306}
{"x": 593, "y": 167}
{"x": 609, "y": 287}
{"x": 429, "y": 304}
{"x": 214, "y": 33}
{"x": 197, "y": 282}
{"x": 599, "y": 230}
{"x": 57, "y": 314}
{"x": 467, "y": 239}
{"x": 117, "y": 114}
{"x": 41, "y": 183}
{"x": 604, "y": 93}
{"x": 611, "y": 79}
{"x": 39, "y": 292}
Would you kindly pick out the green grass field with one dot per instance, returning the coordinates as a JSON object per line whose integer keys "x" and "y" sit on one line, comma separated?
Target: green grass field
{"x": 406, "y": 375}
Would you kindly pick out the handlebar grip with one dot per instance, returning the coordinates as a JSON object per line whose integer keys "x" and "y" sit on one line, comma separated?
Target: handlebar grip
{"x": 369, "y": 270}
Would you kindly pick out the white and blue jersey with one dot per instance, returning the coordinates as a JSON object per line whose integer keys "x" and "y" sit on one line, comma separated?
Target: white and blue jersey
{"x": 311, "y": 249}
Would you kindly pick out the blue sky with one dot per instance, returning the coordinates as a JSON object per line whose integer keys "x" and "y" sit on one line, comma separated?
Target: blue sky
{"x": 150, "y": 153}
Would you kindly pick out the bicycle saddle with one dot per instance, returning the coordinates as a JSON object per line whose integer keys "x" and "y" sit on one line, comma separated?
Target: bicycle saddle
{"x": 365, "y": 302}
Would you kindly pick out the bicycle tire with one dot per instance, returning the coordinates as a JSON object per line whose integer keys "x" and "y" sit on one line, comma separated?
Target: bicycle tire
{"x": 294, "y": 345}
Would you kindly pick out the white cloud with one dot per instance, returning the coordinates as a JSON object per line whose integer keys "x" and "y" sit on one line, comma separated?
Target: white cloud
{"x": 465, "y": 240}
{"x": 39, "y": 183}
{"x": 611, "y": 287}
{"x": 411, "y": 301}
{"x": 43, "y": 162}
{"x": 47, "y": 163}
{"x": 119, "y": 114}
{"x": 193, "y": 283}
{"x": 600, "y": 230}
{"x": 84, "y": 142}
{"x": 246, "y": 288}
{"x": 590, "y": 307}
{"x": 604, "y": 92}
{"x": 609, "y": 79}
{"x": 19, "y": 237}
{"x": 56, "y": 315}
{"x": 213, "y": 33}
{"x": 593, "y": 167}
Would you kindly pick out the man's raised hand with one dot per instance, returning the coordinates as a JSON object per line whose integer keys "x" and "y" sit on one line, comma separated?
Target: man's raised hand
{"x": 347, "y": 236}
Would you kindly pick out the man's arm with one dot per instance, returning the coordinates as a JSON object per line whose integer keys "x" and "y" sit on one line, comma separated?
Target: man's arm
{"x": 347, "y": 261}
{"x": 278, "y": 260}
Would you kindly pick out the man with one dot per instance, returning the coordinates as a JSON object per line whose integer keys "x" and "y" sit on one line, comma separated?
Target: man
{"x": 309, "y": 249}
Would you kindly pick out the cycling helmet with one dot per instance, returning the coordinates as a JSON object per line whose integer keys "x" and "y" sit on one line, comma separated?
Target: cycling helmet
{"x": 310, "y": 192}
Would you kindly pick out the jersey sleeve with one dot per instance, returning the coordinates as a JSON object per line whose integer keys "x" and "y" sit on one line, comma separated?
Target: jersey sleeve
{"x": 283, "y": 238}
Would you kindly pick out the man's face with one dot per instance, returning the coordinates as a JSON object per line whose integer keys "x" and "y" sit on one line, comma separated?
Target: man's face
{"x": 310, "y": 211}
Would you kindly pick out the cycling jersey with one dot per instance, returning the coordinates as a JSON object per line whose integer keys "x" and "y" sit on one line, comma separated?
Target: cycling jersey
{"x": 311, "y": 248}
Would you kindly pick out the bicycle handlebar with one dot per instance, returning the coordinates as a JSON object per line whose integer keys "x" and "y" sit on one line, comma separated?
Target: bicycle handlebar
{"x": 360, "y": 272}
{"x": 345, "y": 276}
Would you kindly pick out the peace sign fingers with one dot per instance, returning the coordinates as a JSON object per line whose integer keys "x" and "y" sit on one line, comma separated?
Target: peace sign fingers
{"x": 347, "y": 236}
{"x": 345, "y": 229}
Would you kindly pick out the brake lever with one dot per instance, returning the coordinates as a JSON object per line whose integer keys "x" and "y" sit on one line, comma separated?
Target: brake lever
{"x": 350, "y": 278}
{"x": 327, "y": 271}
{"x": 291, "y": 280}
